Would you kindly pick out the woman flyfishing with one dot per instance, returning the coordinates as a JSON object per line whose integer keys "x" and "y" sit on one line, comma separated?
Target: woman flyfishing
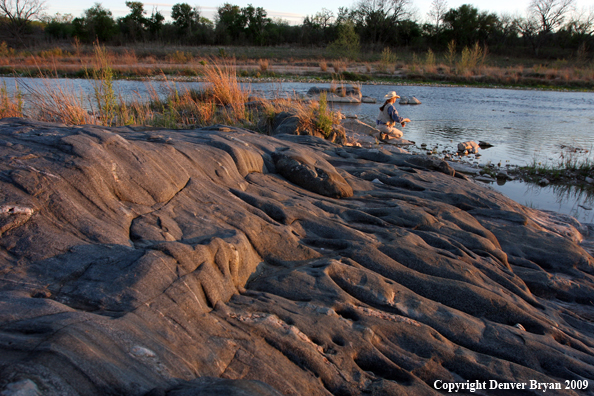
{"x": 388, "y": 117}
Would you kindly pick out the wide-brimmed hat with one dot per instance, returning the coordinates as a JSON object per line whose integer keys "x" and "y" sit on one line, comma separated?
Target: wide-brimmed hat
{"x": 391, "y": 95}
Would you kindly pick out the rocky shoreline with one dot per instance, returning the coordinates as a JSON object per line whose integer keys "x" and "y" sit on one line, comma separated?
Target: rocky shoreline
{"x": 222, "y": 261}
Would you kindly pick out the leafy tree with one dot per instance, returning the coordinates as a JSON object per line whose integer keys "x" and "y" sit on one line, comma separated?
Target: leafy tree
{"x": 467, "y": 26}
{"x": 347, "y": 44}
{"x": 134, "y": 24}
{"x": 96, "y": 24}
{"x": 185, "y": 17}
{"x": 231, "y": 22}
{"x": 59, "y": 26}
{"x": 246, "y": 24}
{"x": 407, "y": 32}
{"x": 155, "y": 22}
{"x": 256, "y": 22}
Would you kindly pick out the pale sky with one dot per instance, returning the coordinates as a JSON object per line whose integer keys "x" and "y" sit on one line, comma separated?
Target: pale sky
{"x": 292, "y": 11}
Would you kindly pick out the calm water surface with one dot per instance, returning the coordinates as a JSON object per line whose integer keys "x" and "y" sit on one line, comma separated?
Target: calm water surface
{"x": 523, "y": 125}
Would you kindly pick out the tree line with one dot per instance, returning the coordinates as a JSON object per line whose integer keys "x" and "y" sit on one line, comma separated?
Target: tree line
{"x": 550, "y": 28}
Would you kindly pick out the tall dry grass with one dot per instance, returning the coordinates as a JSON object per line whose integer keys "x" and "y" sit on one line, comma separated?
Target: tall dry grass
{"x": 339, "y": 66}
{"x": 387, "y": 61}
{"x": 429, "y": 64}
{"x": 471, "y": 60}
{"x": 102, "y": 77}
{"x": 59, "y": 103}
{"x": 128, "y": 58}
{"x": 263, "y": 64}
{"x": 226, "y": 90}
{"x": 181, "y": 108}
{"x": 11, "y": 105}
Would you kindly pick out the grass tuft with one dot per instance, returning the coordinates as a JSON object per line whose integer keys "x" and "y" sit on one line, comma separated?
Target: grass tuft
{"x": 10, "y": 105}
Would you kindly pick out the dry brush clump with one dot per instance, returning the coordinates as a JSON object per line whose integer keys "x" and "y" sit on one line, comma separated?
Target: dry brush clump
{"x": 223, "y": 101}
{"x": 263, "y": 64}
{"x": 316, "y": 118}
{"x": 11, "y": 105}
{"x": 339, "y": 66}
{"x": 225, "y": 88}
{"x": 60, "y": 103}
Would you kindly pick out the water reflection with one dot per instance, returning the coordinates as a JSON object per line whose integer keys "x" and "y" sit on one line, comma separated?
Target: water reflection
{"x": 576, "y": 201}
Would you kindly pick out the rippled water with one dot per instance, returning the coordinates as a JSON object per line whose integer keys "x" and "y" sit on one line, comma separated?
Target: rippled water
{"x": 523, "y": 125}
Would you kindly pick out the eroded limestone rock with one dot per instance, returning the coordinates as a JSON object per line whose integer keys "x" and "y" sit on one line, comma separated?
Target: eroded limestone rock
{"x": 211, "y": 259}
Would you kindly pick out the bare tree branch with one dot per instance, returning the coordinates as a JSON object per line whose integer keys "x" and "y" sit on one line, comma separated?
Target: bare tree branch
{"x": 19, "y": 13}
{"x": 550, "y": 13}
{"x": 582, "y": 22}
{"x": 437, "y": 11}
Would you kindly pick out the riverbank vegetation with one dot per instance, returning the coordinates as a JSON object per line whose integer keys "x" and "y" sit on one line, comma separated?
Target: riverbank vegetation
{"x": 550, "y": 46}
{"x": 472, "y": 66}
{"x": 223, "y": 101}
{"x": 574, "y": 166}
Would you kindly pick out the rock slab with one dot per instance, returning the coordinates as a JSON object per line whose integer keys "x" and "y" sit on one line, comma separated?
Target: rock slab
{"x": 224, "y": 261}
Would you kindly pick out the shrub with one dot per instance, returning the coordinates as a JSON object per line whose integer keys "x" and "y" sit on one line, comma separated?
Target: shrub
{"x": 387, "y": 60}
{"x": 451, "y": 53}
{"x": 324, "y": 119}
{"x": 103, "y": 86}
{"x": 179, "y": 57}
{"x": 5, "y": 50}
{"x": 347, "y": 44}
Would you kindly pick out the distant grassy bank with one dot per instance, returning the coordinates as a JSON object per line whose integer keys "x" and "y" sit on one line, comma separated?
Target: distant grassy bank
{"x": 223, "y": 100}
{"x": 474, "y": 66}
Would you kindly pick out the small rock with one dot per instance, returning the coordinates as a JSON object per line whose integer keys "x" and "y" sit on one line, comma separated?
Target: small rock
{"x": 12, "y": 209}
{"x": 543, "y": 182}
{"x": 21, "y": 388}
{"x": 484, "y": 178}
{"x": 377, "y": 181}
{"x": 142, "y": 352}
{"x": 414, "y": 101}
{"x": 589, "y": 180}
{"x": 470, "y": 147}
{"x": 484, "y": 145}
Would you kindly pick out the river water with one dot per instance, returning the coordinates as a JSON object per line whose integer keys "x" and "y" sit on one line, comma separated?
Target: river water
{"x": 522, "y": 125}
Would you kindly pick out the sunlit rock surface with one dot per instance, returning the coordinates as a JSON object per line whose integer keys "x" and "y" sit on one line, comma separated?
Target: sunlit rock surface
{"x": 174, "y": 262}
